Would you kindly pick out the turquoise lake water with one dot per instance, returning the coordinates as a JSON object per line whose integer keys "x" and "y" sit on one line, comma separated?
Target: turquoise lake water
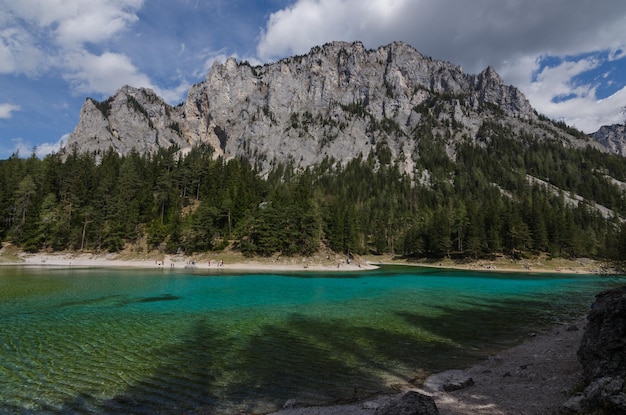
{"x": 111, "y": 341}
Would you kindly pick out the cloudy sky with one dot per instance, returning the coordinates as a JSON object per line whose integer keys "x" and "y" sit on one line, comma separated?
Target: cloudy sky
{"x": 567, "y": 56}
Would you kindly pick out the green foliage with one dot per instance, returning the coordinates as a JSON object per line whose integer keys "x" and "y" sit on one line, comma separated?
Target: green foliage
{"x": 289, "y": 223}
{"x": 356, "y": 108}
{"x": 104, "y": 106}
{"x": 175, "y": 126}
{"x": 436, "y": 102}
{"x": 383, "y": 152}
{"x": 493, "y": 108}
{"x": 480, "y": 203}
{"x": 136, "y": 105}
{"x": 571, "y": 130}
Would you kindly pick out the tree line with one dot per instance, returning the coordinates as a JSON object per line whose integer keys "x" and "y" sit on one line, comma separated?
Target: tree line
{"x": 476, "y": 204}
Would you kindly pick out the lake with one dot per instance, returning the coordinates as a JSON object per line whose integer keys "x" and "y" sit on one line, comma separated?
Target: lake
{"x": 114, "y": 341}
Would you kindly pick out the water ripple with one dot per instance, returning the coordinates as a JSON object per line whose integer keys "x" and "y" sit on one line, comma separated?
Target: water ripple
{"x": 114, "y": 343}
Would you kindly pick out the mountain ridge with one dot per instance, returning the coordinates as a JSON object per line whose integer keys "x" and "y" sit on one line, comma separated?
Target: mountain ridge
{"x": 338, "y": 101}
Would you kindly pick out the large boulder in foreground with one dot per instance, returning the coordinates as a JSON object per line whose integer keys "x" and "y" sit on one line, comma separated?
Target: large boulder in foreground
{"x": 602, "y": 354}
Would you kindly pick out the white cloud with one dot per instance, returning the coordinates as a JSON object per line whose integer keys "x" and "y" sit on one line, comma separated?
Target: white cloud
{"x": 18, "y": 53}
{"x": 26, "y": 149}
{"x": 52, "y": 35}
{"x": 6, "y": 110}
{"x": 21, "y": 147}
{"x": 174, "y": 95}
{"x": 553, "y": 83}
{"x": 555, "y": 94}
{"x": 210, "y": 57}
{"x": 509, "y": 35}
{"x": 307, "y": 23}
{"x": 44, "y": 149}
{"x": 473, "y": 34}
{"x": 66, "y": 27}
{"x": 103, "y": 74}
{"x": 588, "y": 113}
{"x": 617, "y": 53}
{"x": 99, "y": 21}
{"x": 74, "y": 22}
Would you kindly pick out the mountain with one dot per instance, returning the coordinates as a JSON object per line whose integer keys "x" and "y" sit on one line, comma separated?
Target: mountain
{"x": 407, "y": 155}
{"x": 338, "y": 101}
{"x": 132, "y": 118}
{"x": 612, "y": 137}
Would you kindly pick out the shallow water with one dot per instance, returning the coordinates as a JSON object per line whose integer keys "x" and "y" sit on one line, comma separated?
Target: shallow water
{"x": 147, "y": 341}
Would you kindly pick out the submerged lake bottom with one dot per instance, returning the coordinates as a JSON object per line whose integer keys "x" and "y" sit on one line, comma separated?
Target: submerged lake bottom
{"x": 113, "y": 341}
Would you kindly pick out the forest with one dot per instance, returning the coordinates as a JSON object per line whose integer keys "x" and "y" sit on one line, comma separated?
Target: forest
{"x": 479, "y": 204}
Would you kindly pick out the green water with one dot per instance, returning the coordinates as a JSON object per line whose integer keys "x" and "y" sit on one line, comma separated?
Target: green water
{"x": 120, "y": 341}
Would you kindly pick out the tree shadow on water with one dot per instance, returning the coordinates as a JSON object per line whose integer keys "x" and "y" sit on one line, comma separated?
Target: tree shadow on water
{"x": 315, "y": 361}
{"x": 184, "y": 383}
{"x": 475, "y": 329}
{"x": 318, "y": 361}
{"x": 213, "y": 372}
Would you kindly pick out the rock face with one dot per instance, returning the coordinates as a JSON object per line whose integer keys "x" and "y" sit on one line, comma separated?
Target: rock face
{"x": 131, "y": 119}
{"x": 612, "y": 137}
{"x": 338, "y": 101}
{"x": 603, "y": 354}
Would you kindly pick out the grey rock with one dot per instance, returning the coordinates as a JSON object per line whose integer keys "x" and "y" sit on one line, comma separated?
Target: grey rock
{"x": 448, "y": 381}
{"x": 603, "y": 348}
{"x": 573, "y": 405}
{"x": 132, "y": 119}
{"x": 290, "y": 403}
{"x": 607, "y": 394}
{"x": 340, "y": 101}
{"x": 612, "y": 137}
{"x": 411, "y": 403}
{"x": 458, "y": 384}
{"x": 602, "y": 354}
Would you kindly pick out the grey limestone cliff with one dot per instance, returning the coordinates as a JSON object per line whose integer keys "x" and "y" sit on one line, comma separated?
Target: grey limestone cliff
{"x": 612, "y": 137}
{"x": 339, "y": 101}
{"x": 131, "y": 119}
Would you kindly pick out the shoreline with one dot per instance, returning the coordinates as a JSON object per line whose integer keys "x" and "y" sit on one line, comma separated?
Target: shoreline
{"x": 232, "y": 261}
{"x": 535, "y": 377}
{"x": 178, "y": 262}
{"x": 505, "y": 383}
{"x": 536, "y": 265}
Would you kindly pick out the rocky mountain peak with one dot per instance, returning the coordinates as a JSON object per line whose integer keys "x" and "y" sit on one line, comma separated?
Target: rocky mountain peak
{"x": 340, "y": 101}
{"x": 133, "y": 118}
{"x": 612, "y": 137}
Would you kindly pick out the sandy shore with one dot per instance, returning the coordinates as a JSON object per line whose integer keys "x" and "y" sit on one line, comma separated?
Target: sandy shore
{"x": 237, "y": 262}
{"x": 180, "y": 262}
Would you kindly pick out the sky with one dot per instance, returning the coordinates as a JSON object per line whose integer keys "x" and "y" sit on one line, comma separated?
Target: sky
{"x": 567, "y": 56}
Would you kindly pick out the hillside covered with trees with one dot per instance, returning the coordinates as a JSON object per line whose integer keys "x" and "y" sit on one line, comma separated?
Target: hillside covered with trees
{"x": 480, "y": 202}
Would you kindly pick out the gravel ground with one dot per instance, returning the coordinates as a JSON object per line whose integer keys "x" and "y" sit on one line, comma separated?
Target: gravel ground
{"x": 534, "y": 378}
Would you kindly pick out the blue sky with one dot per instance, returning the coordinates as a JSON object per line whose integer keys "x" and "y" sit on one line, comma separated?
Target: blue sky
{"x": 567, "y": 56}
